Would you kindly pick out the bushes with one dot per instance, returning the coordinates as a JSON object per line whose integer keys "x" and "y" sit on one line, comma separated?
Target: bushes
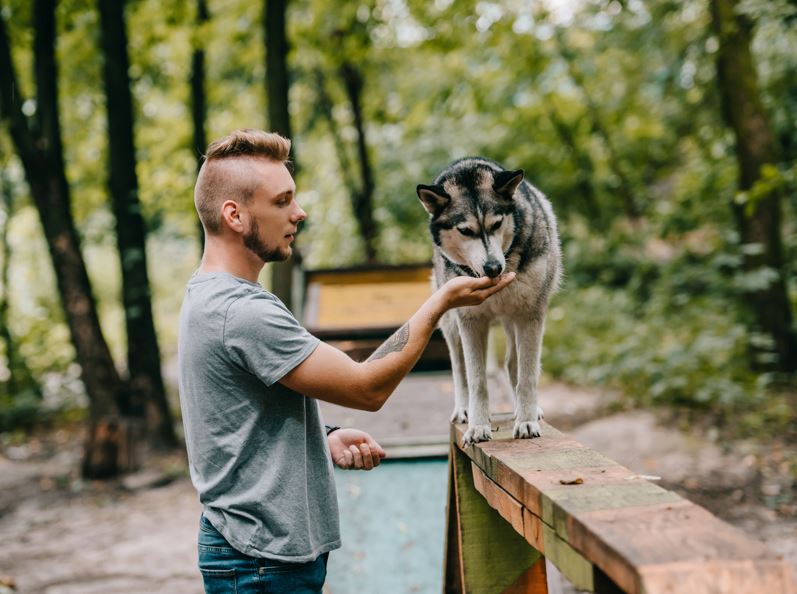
{"x": 662, "y": 331}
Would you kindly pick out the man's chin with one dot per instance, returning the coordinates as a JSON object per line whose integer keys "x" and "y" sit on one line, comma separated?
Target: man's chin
{"x": 272, "y": 255}
{"x": 278, "y": 256}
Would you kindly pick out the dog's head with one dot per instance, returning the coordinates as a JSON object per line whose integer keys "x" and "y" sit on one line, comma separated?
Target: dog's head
{"x": 472, "y": 208}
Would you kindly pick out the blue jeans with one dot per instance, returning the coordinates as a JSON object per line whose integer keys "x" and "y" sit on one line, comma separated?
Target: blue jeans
{"x": 227, "y": 571}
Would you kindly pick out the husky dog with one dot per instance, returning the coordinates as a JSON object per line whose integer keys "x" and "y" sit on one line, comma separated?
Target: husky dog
{"x": 485, "y": 220}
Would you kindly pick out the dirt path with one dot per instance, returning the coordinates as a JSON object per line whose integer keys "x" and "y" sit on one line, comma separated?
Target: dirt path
{"x": 63, "y": 536}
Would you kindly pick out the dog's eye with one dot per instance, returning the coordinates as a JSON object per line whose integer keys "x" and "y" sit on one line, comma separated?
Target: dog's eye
{"x": 466, "y": 231}
{"x": 496, "y": 226}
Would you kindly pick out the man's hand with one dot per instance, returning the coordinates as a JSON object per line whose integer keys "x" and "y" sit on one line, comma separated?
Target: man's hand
{"x": 466, "y": 290}
{"x": 351, "y": 448}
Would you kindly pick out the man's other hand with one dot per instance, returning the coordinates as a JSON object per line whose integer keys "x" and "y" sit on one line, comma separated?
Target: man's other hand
{"x": 354, "y": 449}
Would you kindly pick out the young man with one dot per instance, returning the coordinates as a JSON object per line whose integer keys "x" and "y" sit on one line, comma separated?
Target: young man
{"x": 250, "y": 375}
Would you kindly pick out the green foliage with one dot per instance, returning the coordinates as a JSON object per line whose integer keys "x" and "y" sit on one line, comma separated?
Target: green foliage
{"x": 591, "y": 99}
{"x": 659, "y": 323}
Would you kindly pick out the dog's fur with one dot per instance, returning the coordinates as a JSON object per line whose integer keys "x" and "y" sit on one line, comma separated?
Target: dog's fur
{"x": 485, "y": 220}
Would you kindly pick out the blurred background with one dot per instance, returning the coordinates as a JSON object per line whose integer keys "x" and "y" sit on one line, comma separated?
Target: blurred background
{"x": 664, "y": 133}
{"x": 668, "y": 155}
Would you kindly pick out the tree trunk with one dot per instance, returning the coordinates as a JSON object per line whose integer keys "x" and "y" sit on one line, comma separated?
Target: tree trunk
{"x": 41, "y": 154}
{"x": 279, "y": 119}
{"x": 147, "y": 391}
{"x": 199, "y": 107}
{"x": 758, "y": 219}
{"x": 363, "y": 198}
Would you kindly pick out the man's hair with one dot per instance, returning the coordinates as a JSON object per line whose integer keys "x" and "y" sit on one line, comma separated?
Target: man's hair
{"x": 226, "y": 172}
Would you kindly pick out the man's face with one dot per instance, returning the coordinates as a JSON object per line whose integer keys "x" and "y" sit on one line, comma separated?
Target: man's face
{"x": 274, "y": 214}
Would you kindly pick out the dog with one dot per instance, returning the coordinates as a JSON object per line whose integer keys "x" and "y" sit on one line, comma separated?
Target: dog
{"x": 484, "y": 221}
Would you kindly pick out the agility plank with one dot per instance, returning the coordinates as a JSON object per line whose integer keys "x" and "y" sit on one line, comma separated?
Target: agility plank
{"x": 609, "y": 530}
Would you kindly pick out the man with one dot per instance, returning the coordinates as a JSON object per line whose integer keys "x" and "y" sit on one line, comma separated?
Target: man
{"x": 249, "y": 376}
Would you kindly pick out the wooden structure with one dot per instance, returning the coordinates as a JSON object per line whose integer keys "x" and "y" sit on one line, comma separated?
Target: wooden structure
{"x": 356, "y": 309}
{"x": 514, "y": 503}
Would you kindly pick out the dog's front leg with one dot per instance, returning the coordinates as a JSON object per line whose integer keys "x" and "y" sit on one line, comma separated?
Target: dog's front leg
{"x": 450, "y": 328}
{"x": 528, "y": 339}
{"x": 473, "y": 332}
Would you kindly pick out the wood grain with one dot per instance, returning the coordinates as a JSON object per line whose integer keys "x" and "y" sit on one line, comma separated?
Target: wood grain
{"x": 591, "y": 516}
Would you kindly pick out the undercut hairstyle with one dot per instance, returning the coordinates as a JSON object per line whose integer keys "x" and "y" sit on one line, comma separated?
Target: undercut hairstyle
{"x": 227, "y": 171}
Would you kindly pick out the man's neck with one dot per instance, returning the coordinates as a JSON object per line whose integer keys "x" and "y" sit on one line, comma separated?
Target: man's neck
{"x": 220, "y": 258}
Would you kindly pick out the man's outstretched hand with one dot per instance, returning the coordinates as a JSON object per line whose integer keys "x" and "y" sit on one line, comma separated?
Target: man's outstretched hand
{"x": 465, "y": 290}
{"x": 354, "y": 449}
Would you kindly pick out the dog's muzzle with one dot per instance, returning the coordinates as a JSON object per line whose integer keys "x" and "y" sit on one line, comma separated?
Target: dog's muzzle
{"x": 493, "y": 268}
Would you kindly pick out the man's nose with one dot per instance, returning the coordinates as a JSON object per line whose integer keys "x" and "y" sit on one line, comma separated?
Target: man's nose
{"x": 299, "y": 215}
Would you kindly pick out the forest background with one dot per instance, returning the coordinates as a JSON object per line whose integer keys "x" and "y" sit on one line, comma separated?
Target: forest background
{"x": 663, "y": 132}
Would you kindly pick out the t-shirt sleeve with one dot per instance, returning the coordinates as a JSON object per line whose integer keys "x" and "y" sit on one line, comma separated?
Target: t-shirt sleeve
{"x": 262, "y": 336}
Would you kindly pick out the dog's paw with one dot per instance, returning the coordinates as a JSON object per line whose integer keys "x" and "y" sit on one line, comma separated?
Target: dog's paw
{"x": 540, "y": 414}
{"x": 460, "y": 415}
{"x": 526, "y": 429}
{"x": 476, "y": 434}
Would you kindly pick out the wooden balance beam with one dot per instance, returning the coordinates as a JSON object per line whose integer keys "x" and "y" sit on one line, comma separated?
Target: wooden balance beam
{"x": 605, "y": 528}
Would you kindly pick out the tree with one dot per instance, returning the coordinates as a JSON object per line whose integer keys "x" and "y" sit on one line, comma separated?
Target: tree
{"x": 757, "y": 213}
{"x": 362, "y": 197}
{"x": 199, "y": 104}
{"x": 147, "y": 391}
{"x": 279, "y": 119}
{"x": 39, "y": 147}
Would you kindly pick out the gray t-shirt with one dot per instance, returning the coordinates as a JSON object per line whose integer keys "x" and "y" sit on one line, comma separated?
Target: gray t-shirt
{"x": 257, "y": 451}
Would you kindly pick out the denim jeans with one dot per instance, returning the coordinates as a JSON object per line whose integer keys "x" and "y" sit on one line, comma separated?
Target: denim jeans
{"x": 227, "y": 571}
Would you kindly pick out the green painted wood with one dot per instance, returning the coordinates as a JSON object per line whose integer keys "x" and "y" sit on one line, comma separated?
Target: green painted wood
{"x": 493, "y": 555}
{"x": 568, "y": 561}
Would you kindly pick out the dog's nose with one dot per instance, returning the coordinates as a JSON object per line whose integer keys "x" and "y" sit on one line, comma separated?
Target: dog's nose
{"x": 492, "y": 268}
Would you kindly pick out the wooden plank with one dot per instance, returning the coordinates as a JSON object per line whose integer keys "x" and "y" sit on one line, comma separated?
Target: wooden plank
{"x": 533, "y": 581}
{"x": 545, "y": 540}
{"x": 358, "y": 300}
{"x": 452, "y": 576}
{"x": 493, "y": 557}
{"x": 506, "y": 505}
{"x": 637, "y": 534}
{"x": 635, "y": 546}
{"x": 379, "y": 274}
{"x": 747, "y": 576}
{"x": 573, "y": 565}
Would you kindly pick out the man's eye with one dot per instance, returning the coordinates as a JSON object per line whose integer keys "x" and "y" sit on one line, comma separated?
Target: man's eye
{"x": 495, "y": 226}
{"x": 466, "y": 231}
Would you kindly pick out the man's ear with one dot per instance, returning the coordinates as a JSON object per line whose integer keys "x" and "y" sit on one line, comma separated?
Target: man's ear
{"x": 506, "y": 182}
{"x": 434, "y": 198}
{"x": 231, "y": 215}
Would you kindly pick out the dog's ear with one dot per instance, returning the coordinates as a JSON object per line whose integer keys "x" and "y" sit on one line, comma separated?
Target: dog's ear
{"x": 506, "y": 182}
{"x": 434, "y": 198}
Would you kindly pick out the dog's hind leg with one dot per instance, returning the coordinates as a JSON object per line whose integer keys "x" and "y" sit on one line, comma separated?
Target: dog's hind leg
{"x": 448, "y": 325}
{"x": 528, "y": 412}
{"x": 510, "y": 358}
{"x": 473, "y": 332}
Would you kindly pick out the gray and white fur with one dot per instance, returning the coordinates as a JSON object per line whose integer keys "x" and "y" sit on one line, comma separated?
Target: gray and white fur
{"x": 485, "y": 220}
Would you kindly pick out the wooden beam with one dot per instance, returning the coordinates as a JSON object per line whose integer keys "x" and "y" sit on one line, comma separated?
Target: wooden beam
{"x": 607, "y": 529}
{"x": 492, "y": 557}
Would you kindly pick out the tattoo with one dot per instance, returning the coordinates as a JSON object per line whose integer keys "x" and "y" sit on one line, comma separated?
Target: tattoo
{"x": 394, "y": 344}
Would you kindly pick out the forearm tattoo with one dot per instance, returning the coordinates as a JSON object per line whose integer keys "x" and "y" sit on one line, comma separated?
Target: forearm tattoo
{"x": 394, "y": 344}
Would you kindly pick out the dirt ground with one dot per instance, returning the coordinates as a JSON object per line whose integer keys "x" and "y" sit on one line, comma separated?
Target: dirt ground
{"x": 62, "y": 535}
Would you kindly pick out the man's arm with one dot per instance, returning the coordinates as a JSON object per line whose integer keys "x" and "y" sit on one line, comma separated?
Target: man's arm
{"x": 331, "y": 375}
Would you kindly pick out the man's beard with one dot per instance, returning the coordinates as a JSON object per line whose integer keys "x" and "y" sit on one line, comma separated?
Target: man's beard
{"x": 258, "y": 247}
